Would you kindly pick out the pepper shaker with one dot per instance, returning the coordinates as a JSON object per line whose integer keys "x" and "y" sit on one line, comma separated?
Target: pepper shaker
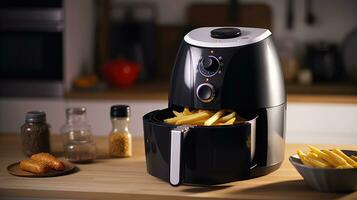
{"x": 35, "y": 133}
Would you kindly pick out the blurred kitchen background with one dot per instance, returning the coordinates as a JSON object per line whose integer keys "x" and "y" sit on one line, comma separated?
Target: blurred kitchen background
{"x": 56, "y": 54}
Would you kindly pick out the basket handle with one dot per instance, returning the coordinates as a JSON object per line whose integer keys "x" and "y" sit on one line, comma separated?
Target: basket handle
{"x": 176, "y": 158}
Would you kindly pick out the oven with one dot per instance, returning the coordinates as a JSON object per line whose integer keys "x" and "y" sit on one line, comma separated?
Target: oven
{"x": 31, "y": 48}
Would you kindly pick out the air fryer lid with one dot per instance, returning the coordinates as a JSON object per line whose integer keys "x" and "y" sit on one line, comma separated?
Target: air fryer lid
{"x": 224, "y": 37}
{"x": 230, "y": 72}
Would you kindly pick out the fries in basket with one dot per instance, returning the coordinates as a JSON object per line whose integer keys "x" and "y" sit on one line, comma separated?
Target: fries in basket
{"x": 203, "y": 118}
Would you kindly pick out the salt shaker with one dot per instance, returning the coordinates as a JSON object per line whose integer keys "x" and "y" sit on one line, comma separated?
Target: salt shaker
{"x": 78, "y": 142}
{"x": 120, "y": 144}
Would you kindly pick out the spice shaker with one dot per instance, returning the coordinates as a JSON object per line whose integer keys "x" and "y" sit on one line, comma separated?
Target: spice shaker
{"x": 120, "y": 144}
{"x": 77, "y": 138}
{"x": 35, "y": 133}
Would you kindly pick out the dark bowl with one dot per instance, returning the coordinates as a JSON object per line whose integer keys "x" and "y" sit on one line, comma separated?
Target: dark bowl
{"x": 327, "y": 180}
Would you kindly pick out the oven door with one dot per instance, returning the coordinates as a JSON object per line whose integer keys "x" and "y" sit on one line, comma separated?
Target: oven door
{"x": 31, "y": 53}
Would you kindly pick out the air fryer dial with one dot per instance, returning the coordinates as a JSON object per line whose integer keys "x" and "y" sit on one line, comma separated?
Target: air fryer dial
{"x": 205, "y": 92}
{"x": 209, "y": 66}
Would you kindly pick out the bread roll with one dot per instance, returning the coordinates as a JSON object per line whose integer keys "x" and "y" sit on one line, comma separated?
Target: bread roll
{"x": 48, "y": 160}
{"x": 33, "y": 166}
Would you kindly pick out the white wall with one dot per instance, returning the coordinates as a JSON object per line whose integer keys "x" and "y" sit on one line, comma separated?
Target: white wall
{"x": 322, "y": 123}
{"x": 306, "y": 123}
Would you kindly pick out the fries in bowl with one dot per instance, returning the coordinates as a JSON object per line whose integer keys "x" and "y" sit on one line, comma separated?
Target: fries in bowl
{"x": 325, "y": 158}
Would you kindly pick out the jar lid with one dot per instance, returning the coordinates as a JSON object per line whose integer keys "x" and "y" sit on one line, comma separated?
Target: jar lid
{"x": 35, "y": 116}
{"x": 76, "y": 111}
{"x": 120, "y": 111}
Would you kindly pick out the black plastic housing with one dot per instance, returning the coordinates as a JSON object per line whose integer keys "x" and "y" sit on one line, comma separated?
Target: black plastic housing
{"x": 250, "y": 77}
{"x": 249, "y": 81}
{"x": 218, "y": 154}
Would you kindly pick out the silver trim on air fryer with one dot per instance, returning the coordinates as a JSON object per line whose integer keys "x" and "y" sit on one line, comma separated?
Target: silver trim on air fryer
{"x": 253, "y": 130}
{"x": 212, "y": 90}
{"x": 175, "y": 154}
{"x": 201, "y": 37}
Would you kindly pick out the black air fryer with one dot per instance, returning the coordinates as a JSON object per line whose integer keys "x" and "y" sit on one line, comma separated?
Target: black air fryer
{"x": 233, "y": 68}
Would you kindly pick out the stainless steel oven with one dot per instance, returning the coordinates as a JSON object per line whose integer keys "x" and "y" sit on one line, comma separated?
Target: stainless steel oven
{"x": 31, "y": 48}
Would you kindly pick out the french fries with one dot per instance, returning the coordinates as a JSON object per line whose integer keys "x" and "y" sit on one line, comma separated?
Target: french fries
{"x": 336, "y": 158}
{"x": 311, "y": 160}
{"x": 354, "y": 158}
{"x": 177, "y": 114}
{"x": 342, "y": 155}
{"x": 327, "y": 158}
{"x": 303, "y": 158}
{"x": 314, "y": 156}
{"x": 202, "y": 118}
{"x": 230, "y": 122}
{"x": 213, "y": 119}
{"x": 323, "y": 156}
{"x": 187, "y": 119}
{"x": 172, "y": 120}
{"x": 226, "y": 118}
{"x": 186, "y": 111}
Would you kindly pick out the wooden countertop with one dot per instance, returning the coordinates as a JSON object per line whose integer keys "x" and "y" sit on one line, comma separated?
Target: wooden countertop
{"x": 127, "y": 179}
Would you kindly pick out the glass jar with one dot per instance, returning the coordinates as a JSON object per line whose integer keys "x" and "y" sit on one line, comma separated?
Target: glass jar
{"x": 78, "y": 142}
{"x": 120, "y": 144}
{"x": 35, "y": 133}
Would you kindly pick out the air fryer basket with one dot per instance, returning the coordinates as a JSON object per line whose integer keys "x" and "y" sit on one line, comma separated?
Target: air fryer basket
{"x": 212, "y": 155}
{"x": 205, "y": 150}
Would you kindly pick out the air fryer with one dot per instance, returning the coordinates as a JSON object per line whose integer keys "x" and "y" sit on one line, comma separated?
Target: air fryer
{"x": 216, "y": 68}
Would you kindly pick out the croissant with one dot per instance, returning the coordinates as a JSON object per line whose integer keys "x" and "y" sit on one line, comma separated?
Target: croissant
{"x": 33, "y": 166}
{"x": 48, "y": 160}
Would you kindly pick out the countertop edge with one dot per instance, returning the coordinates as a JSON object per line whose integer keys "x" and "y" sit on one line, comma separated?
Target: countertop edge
{"x": 48, "y": 194}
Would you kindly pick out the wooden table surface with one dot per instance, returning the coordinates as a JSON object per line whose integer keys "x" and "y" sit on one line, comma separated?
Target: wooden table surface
{"x": 108, "y": 178}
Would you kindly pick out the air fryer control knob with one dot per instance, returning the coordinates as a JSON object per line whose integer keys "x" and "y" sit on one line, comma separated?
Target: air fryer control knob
{"x": 209, "y": 66}
{"x": 225, "y": 33}
{"x": 205, "y": 92}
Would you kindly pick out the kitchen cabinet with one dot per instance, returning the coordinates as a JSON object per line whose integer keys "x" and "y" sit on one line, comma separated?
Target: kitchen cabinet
{"x": 108, "y": 178}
